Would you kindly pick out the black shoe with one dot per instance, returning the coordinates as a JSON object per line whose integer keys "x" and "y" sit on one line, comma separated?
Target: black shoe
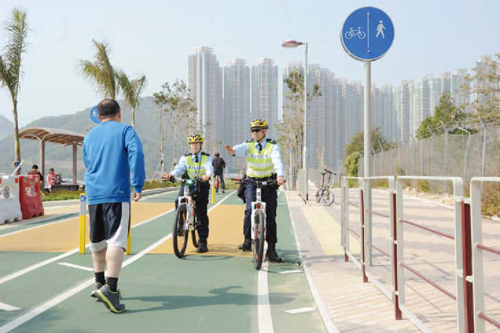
{"x": 202, "y": 248}
{"x": 271, "y": 254}
{"x": 246, "y": 245}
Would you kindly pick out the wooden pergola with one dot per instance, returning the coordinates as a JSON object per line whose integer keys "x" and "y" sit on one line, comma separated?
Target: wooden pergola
{"x": 62, "y": 137}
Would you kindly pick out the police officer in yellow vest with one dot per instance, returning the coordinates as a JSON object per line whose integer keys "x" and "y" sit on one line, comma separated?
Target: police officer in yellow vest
{"x": 263, "y": 162}
{"x": 197, "y": 164}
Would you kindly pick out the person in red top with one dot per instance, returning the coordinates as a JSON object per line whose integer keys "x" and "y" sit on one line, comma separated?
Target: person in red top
{"x": 34, "y": 171}
{"x": 51, "y": 177}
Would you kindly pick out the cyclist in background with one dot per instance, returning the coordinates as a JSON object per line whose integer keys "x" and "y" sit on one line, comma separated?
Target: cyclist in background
{"x": 197, "y": 164}
{"x": 219, "y": 165}
{"x": 263, "y": 162}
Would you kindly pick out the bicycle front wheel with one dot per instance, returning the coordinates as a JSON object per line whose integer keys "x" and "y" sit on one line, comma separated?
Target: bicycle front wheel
{"x": 258, "y": 242}
{"x": 193, "y": 233}
{"x": 328, "y": 197}
{"x": 180, "y": 235}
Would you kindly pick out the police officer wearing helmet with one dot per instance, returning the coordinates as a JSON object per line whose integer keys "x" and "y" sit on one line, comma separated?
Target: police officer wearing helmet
{"x": 263, "y": 162}
{"x": 193, "y": 165}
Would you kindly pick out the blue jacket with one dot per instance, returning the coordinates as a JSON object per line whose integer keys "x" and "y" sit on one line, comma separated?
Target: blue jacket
{"x": 111, "y": 151}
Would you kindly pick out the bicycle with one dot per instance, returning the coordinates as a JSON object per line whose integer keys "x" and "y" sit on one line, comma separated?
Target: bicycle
{"x": 324, "y": 194}
{"x": 185, "y": 220}
{"x": 355, "y": 33}
{"x": 258, "y": 219}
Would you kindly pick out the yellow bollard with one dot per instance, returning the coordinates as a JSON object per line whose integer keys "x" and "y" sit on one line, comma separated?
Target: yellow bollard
{"x": 213, "y": 195}
{"x": 129, "y": 238}
{"x": 83, "y": 212}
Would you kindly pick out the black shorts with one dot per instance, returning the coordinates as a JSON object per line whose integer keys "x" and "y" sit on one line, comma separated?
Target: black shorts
{"x": 109, "y": 225}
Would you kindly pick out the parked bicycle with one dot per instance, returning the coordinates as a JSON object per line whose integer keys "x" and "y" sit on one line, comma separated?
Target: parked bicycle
{"x": 258, "y": 218}
{"x": 186, "y": 220}
{"x": 324, "y": 193}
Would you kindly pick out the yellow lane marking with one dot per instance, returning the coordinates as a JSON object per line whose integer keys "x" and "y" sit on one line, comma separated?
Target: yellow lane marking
{"x": 226, "y": 234}
{"x": 327, "y": 231}
{"x": 64, "y": 236}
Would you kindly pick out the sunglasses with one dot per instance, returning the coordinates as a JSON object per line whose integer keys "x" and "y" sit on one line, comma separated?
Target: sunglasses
{"x": 255, "y": 130}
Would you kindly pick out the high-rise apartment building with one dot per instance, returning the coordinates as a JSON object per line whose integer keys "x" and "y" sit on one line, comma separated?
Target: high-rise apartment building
{"x": 205, "y": 86}
{"x": 236, "y": 103}
{"x": 265, "y": 93}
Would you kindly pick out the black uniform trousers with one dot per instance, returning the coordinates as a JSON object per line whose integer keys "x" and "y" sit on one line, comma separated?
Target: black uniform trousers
{"x": 201, "y": 201}
{"x": 270, "y": 197}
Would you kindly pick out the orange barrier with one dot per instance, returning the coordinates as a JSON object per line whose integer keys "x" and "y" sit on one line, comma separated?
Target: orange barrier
{"x": 30, "y": 197}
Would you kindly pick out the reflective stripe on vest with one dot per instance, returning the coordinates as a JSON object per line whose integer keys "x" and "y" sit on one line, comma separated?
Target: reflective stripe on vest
{"x": 260, "y": 165}
{"x": 196, "y": 169}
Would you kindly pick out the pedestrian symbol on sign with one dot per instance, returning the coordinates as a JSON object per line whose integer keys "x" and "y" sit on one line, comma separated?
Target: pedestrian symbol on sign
{"x": 380, "y": 29}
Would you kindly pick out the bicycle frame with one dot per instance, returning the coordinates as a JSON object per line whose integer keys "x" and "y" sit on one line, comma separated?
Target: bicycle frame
{"x": 258, "y": 205}
{"x": 187, "y": 200}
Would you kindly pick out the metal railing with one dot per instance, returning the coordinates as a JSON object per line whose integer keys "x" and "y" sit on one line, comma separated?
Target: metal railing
{"x": 476, "y": 275}
{"x": 345, "y": 221}
{"x": 458, "y": 210}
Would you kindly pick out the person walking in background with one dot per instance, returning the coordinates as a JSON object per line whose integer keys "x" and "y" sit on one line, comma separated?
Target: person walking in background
{"x": 111, "y": 152}
{"x": 219, "y": 165}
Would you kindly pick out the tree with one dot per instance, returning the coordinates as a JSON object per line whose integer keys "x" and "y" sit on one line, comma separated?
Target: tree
{"x": 132, "y": 89}
{"x": 160, "y": 101}
{"x": 447, "y": 114}
{"x": 484, "y": 86}
{"x": 10, "y": 66}
{"x": 355, "y": 149}
{"x": 101, "y": 72}
{"x": 291, "y": 130}
{"x": 182, "y": 110}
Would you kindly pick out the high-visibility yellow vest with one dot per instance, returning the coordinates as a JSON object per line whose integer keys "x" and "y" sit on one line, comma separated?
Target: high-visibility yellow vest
{"x": 260, "y": 164}
{"x": 196, "y": 169}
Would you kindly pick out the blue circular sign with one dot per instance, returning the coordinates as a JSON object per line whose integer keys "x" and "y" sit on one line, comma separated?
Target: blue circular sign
{"x": 94, "y": 115}
{"x": 367, "y": 34}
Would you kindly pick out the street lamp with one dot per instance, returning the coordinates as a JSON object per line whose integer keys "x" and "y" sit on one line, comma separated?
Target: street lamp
{"x": 293, "y": 44}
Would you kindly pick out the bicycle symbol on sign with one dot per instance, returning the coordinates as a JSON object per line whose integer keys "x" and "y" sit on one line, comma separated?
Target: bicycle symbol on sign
{"x": 355, "y": 33}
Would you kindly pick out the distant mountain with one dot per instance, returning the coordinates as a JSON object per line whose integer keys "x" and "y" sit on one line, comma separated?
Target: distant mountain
{"x": 60, "y": 158}
{"x": 6, "y": 126}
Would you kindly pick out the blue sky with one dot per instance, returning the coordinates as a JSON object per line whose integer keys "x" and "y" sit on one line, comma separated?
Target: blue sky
{"x": 155, "y": 37}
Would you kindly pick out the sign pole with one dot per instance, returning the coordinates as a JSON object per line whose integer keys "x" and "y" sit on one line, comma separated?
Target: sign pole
{"x": 367, "y": 162}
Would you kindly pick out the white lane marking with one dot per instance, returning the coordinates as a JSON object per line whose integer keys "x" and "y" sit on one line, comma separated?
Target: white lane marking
{"x": 83, "y": 268}
{"x": 64, "y": 255}
{"x": 60, "y": 298}
{"x": 330, "y": 326}
{"x": 7, "y": 307}
{"x": 292, "y": 271}
{"x": 264, "y": 306}
{"x": 35, "y": 266}
{"x": 301, "y": 310}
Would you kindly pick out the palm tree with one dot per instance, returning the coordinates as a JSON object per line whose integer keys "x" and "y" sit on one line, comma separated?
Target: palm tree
{"x": 101, "y": 71}
{"x": 131, "y": 90}
{"x": 10, "y": 65}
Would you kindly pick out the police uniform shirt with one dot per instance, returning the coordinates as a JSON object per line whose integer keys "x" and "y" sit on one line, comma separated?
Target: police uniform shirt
{"x": 181, "y": 167}
{"x": 242, "y": 151}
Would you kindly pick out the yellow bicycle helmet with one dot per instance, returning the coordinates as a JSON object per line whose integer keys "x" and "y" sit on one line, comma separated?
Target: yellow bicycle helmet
{"x": 259, "y": 123}
{"x": 195, "y": 138}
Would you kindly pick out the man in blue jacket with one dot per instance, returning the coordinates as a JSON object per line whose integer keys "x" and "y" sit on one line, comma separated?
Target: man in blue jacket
{"x": 111, "y": 152}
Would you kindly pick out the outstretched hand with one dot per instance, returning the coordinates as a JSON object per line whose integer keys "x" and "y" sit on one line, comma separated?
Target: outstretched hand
{"x": 230, "y": 150}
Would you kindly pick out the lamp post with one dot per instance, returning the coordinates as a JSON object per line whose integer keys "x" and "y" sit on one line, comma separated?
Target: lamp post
{"x": 294, "y": 44}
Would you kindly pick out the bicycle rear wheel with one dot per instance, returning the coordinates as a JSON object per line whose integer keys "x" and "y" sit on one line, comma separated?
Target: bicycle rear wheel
{"x": 180, "y": 235}
{"x": 328, "y": 197}
{"x": 258, "y": 242}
